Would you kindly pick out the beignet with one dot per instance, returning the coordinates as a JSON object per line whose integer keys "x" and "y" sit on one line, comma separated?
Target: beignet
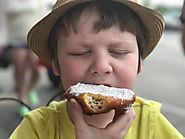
{"x": 96, "y": 99}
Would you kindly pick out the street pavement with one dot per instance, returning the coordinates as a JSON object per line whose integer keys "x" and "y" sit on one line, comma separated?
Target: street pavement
{"x": 162, "y": 79}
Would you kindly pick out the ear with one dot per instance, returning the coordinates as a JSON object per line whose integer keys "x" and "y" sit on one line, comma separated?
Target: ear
{"x": 55, "y": 68}
{"x": 141, "y": 65}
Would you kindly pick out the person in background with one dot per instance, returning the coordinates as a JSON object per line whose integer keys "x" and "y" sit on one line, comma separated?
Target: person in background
{"x": 4, "y": 62}
{"x": 21, "y": 15}
{"x": 3, "y": 31}
{"x": 182, "y": 19}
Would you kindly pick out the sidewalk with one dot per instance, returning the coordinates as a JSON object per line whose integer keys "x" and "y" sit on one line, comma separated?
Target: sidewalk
{"x": 163, "y": 79}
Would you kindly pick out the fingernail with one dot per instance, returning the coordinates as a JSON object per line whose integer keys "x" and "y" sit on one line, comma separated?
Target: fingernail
{"x": 125, "y": 110}
{"x": 72, "y": 101}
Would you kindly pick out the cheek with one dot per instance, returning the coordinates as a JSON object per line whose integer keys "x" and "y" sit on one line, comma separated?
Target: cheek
{"x": 70, "y": 73}
{"x": 127, "y": 74}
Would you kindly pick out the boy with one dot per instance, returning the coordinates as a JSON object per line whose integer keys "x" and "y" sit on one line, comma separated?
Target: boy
{"x": 96, "y": 42}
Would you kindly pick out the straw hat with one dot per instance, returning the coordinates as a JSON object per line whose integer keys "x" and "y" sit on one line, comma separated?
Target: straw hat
{"x": 39, "y": 35}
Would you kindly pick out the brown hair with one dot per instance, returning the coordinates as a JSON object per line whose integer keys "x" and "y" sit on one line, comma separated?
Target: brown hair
{"x": 110, "y": 13}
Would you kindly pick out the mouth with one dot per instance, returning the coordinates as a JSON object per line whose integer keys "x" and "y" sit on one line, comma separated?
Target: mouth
{"x": 105, "y": 84}
{"x": 99, "y": 83}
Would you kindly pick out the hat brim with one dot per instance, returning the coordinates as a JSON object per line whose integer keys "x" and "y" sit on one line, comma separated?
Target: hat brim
{"x": 38, "y": 36}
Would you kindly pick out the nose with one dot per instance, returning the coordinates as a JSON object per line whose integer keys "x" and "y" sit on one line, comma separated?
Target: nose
{"x": 101, "y": 65}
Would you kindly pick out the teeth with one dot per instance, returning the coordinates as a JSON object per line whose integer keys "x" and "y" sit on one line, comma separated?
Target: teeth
{"x": 103, "y": 84}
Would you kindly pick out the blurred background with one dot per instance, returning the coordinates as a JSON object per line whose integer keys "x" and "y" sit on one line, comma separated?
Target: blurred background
{"x": 171, "y": 11}
{"x": 162, "y": 79}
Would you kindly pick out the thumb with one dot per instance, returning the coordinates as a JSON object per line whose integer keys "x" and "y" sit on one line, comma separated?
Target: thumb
{"x": 76, "y": 113}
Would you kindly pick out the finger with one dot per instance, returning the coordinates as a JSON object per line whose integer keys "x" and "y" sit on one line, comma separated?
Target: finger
{"x": 122, "y": 124}
{"x": 76, "y": 113}
{"x": 119, "y": 112}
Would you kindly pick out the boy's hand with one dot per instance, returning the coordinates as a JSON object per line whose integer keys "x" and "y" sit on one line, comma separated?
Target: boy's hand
{"x": 115, "y": 130}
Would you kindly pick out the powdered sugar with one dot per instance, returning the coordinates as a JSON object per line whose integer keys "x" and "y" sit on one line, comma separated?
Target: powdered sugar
{"x": 120, "y": 93}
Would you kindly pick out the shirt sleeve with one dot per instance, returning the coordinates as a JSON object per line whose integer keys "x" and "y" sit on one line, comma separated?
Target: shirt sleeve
{"x": 24, "y": 131}
{"x": 165, "y": 130}
{"x": 40, "y": 123}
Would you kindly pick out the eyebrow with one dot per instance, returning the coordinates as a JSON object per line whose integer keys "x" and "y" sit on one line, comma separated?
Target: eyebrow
{"x": 110, "y": 45}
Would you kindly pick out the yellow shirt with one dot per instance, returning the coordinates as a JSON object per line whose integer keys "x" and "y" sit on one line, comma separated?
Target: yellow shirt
{"x": 53, "y": 123}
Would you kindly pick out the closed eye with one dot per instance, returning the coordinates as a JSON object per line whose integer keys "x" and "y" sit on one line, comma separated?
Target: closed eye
{"x": 116, "y": 53}
{"x": 83, "y": 53}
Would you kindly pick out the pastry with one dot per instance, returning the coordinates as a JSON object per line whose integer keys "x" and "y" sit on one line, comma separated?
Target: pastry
{"x": 96, "y": 99}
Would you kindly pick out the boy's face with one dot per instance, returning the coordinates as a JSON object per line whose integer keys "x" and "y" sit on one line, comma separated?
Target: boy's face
{"x": 107, "y": 57}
